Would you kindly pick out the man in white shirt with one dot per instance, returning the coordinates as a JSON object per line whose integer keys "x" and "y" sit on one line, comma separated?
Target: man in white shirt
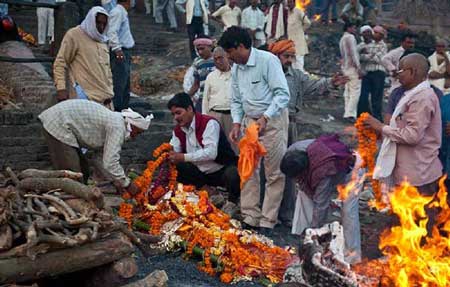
{"x": 253, "y": 19}
{"x": 439, "y": 73}
{"x": 201, "y": 150}
{"x": 217, "y": 92}
{"x": 228, "y": 15}
{"x": 297, "y": 23}
{"x": 350, "y": 68}
{"x": 120, "y": 42}
{"x": 392, "y": 59}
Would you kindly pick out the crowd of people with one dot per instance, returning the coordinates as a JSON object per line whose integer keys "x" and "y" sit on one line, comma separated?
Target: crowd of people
{"x": 254, "y": 74}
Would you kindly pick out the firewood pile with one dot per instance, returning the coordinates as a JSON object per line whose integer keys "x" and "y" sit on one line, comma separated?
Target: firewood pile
{"x": 46, "y": 211}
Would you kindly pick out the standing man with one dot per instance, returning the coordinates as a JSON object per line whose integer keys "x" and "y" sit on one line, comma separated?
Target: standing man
{"x": 196, "y": 15}
{"x": 217, "y": 92}
{"x": 84, "y": 55}
{"x": 120, "y": 41}
{"x": 298, "y": 22}
{"x": 276, "y": 21}
{"x": 253, "y": 19}
{"x": 46, "y": 23}
{"x": 202, "y": 66}
{"x": 392, "y": 59}
{"x": 169, "y": 6}
{"x": 300, "y": 85}
{"x": 373, "y": 80}
{"x": 412, "y": 139}
{"x": 351, "y": 68}
{"x": 439, "y": 74}
{"x": 228, "y": 15}
{"x": 72, "y": 125}
{"x": 260, "y": 95}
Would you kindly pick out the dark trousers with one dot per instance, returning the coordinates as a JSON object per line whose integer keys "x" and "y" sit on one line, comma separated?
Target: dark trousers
{"x": 121, "y": 72}
{"x": 194, "y": 29}
{"x": 66, "y": 157}
{"x": 430, "y": 189}
{"x": 373, "y": 84}
{"x": 227, "y": 177}
{"x": 326, "y": 4}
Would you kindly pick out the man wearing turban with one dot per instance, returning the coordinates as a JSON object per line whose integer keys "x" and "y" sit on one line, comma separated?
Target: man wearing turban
{"x": 72, "y": 126}
{"x": 300, "y": 85}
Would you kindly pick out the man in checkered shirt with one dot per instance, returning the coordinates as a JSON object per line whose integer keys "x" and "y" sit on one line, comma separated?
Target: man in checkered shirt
{"x": 73, "y": 125}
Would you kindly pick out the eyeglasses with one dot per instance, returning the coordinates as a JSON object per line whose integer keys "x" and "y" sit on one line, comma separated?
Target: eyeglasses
{"x": 402, "y": 70}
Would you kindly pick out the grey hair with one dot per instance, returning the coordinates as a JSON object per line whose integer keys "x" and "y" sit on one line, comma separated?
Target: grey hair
{"x": 219, "y": 50}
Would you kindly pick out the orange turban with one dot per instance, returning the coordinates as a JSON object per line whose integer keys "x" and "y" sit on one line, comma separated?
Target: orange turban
{"x": 282, "y": 46}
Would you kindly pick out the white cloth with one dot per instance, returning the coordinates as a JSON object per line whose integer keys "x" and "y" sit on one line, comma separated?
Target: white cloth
{"x": 352, "y": 92}
{"x": 254, "y": 19}
{"x": 229, "y": 16}
{"x": 204, "y": 157}
{"x": 217, "y": 92}
{"x": 391, "y": 61}
{"x": 365, "y": 28}
{"x": 435, "y": 67}
{"x": 388, "y": 151}
{"x": 90, "y": 28}
{"x": 136, "y": 119}
{"x": 46, "y": 24}
{"x": 349, "y": 51}
{"x": 279, "y": 31}
{"x": 297, "y": 23}
{"x": 188, "y": 81}
{"x": 299, "y": 63}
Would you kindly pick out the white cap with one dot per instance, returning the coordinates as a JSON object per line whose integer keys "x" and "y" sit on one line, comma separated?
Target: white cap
{"x": 136, "y": 119}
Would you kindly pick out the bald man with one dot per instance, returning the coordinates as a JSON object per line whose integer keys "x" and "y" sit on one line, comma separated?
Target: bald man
{"x": 439, "y": 74}
{"x": 217, "y": 93}
{"x": 412, "y": 139}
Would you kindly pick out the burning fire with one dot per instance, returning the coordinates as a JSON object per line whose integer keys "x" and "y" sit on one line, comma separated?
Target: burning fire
{"x": 414, "y": 257}
{"x": 302, "y": 4}
{"x": 317, "y": 17}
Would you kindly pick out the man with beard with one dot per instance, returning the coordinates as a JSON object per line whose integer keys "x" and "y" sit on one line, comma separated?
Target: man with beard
{"x": 84, "y": 54}
{"x": 300, "y": 85}
{"x": 201, "y": 150}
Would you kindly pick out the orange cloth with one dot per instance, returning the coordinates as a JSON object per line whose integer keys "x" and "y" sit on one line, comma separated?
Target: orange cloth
{"x": 282, "y": 46}
{"x": 250, "y": 151}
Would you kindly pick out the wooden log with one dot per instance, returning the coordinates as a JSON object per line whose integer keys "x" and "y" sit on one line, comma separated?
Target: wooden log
{"x": 157, "y": 278}
{"x": 112, "y": 275}
{"x": 31, "y": 172}
{"x": 22, "y": 269}
{"x": 65, "y": 184}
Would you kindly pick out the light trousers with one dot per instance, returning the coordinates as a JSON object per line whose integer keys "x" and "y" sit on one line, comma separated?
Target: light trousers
{"x": 46, "y": 24}
{"x": 351, "y": 93}
{"x": 226, "y": 122}
{"x": 274, "y": 140}
{"x": 299, "y": 63}
{"x": 169, "y": 6}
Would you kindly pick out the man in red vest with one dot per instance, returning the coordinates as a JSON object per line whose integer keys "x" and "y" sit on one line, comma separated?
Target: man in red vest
{"x": 201, "y": 149}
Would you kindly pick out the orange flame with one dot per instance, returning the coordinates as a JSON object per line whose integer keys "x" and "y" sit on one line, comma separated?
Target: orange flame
{"x": 317, "y": 17}
{"x": 302, "y": 4}
{"x": 414, "y": 255}
{"x": 414, "y": 259}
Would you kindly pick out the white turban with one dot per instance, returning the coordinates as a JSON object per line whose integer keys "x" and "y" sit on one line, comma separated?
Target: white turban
{"x": 90, "y": 28}
{"x": 366, "y": 28}
{"x": 136, "y": 119}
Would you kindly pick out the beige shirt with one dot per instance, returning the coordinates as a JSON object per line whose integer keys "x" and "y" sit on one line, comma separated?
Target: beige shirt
{"x": 418, "y": 139}
{"x": 87, "y": 63}
{"x": 230, "y": 16}
{"x": 217, "y": 93}
{"x": 297, "y": 23}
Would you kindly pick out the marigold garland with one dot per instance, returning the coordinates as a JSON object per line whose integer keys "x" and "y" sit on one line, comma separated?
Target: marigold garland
{"x": 204, "y": 226}
{"x": 367, "y": 149}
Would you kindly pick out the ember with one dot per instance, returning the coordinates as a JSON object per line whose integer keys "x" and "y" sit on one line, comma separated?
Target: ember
{"x": 302, "y": 4}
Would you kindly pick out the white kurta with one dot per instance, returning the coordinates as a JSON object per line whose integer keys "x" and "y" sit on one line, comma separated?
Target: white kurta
{"x": 435, "y": 67}
{"x": 298, "y": 22}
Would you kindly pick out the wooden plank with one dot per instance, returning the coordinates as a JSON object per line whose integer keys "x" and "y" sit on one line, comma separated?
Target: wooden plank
{"x": 64, "y": 261}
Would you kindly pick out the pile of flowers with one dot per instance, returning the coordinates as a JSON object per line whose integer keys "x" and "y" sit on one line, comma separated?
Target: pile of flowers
{"x": 186, "y": 219}
{"x": 367, "y": 148}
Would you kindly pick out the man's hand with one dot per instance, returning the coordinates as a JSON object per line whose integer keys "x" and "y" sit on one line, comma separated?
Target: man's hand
{"x": 62, "y": 95}
{"x": 262, "y": 124}
{"x": 339, "y": 80}
{"x": 176, "y": 157}
{"x": 119, "y": 55}
{"x": 133, "y": 189}
{"x": 235, "y": 133}
{"x": 373, "y": 123}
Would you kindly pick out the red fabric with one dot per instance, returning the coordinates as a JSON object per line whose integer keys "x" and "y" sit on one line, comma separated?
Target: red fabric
{"x": 200, "y": 125}
{"x": 327, "y": 156}
{"x": 275, "y": 18}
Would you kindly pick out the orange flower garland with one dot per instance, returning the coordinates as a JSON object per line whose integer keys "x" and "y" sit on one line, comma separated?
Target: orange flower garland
{"x": 126, "y": 212}
{"x": 367, "y": 148}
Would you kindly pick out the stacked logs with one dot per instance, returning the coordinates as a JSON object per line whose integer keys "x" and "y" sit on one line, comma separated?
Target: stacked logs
{"x": 41, "y": 211}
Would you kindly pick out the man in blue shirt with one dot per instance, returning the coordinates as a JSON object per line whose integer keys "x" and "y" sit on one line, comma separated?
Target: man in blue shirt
{"x": 120, "y": 42}
{"x": 260, "y": 95}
